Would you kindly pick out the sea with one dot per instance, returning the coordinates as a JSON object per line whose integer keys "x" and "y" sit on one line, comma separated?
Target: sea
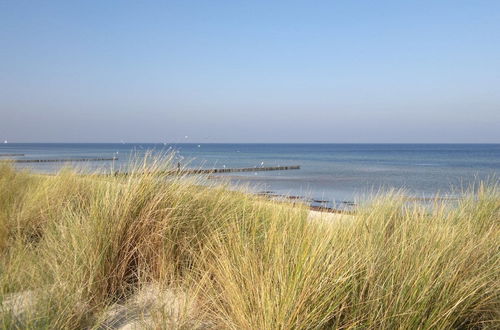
{"x": 330, "y": 175}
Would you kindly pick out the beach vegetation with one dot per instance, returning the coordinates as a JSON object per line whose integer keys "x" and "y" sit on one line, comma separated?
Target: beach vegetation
{"x": 157, "y": 250}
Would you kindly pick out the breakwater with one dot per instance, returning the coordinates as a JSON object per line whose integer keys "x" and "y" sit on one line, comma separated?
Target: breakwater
{"x": 188, "y": 171}
{"x": 59, "y": 160}
{"x": 233, "y": 170}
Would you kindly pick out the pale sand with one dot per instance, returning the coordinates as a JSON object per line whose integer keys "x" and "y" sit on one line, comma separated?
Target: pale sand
{"x": 150, "y": 307}
{"x": 329, "y": 216}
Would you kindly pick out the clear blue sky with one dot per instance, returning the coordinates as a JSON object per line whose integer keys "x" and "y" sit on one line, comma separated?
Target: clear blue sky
{"x": 250, "y": 71}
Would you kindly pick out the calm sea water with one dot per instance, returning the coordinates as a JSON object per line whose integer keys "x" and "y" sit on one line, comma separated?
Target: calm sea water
{"x": 333, "y": 172}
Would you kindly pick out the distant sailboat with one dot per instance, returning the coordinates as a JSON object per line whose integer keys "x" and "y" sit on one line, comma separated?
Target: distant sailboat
{"x": 5, "y": 141}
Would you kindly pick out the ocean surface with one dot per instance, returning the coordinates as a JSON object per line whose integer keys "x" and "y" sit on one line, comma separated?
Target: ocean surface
{"x": 336, "y": 173}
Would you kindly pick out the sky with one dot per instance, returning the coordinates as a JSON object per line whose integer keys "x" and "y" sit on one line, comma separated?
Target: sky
{"x": 250, "y": 71}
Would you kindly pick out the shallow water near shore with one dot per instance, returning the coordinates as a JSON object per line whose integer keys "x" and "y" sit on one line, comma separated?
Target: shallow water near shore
{"x": 332, "y": 175}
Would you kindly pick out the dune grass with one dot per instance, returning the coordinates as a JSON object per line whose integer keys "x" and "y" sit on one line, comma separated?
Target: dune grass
{"x": 76, "y": 247}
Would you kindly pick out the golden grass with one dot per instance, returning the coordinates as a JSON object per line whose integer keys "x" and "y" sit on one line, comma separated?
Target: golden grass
{"x": 78, "y": 246}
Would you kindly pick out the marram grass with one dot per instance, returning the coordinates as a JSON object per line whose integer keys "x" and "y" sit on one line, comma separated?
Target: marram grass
{"x": 77, "y": 249}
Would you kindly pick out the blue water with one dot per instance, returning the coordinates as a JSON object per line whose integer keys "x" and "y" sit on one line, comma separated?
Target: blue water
{"x": 333, "y": 172}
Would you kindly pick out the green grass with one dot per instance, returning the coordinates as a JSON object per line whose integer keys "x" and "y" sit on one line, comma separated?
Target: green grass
{"x": 79, "y": 245}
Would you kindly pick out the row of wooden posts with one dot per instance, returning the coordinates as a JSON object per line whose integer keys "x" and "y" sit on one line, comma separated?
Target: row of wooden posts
{"x": 179, "y": 170}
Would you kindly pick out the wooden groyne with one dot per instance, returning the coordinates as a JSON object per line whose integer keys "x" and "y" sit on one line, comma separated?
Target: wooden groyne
{"x": 186, "y": 171}
{"x": 11, "y": 155}
{"x": 66, "y": 160}
{"x": 310, "y": 203}
{"x": 232, "y": 170}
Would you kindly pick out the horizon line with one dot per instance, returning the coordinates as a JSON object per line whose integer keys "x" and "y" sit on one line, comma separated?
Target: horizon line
{"x": 198, "y": 142}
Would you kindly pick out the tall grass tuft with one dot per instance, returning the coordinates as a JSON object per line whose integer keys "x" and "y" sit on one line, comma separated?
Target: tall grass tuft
{"x": 79, "y": 250}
